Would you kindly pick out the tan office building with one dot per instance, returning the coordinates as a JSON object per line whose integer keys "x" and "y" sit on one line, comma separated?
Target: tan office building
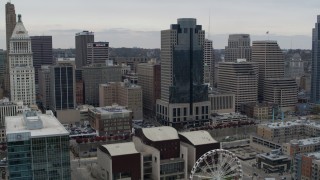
{"x": 149, "y": 79}
{"x": 240, "y": 78}
{"x": 124, "y": 94}
{"x": 270, "y": 59}
{"x": 238, "y": 48}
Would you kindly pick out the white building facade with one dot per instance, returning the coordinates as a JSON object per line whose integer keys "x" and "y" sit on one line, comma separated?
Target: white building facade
{"x": 22, "y": 82}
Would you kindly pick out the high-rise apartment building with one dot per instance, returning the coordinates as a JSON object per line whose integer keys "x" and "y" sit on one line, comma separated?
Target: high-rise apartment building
{"x": 10, "y": 24}
{"x": 270, "y": 59}
{"x": 82, "y": 39}
{"x": 184, "y": 97}
{"x": 208, "y": 60}
{"x": 62, "y": 86}
{"x": 97, "y": 52}
{"x": 22, "y": 84}
{"x": 44, "y": 86}
{"x": 38, "y": 147}
{"x": 42, "y": 52}
{"x": 94, "y": 75}
{"x": 238, "y": 48}
{"x": 149, "y": 76}
{"x": 315, "y": 73}
{"x": 240, "y": 78}
{"x": 122, "y": 93}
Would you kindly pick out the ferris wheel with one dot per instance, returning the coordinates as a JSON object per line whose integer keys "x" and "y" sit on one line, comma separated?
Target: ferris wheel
{"x": 218, "y": 164}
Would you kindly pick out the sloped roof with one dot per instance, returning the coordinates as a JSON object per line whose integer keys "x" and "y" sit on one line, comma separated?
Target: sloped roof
{"x": 198, "y": 137}
{"x": 162, "y": 133}
{"x": 20, "y": 31}
{"x": 119, "y": 149}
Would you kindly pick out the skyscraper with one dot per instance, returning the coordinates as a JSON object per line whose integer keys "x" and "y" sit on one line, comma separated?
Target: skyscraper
{"x": 10, "y": 24}
{"x": 3, "y": 60}
{"x": 42, "y": 52}
{"x": 315, "y": 73}
{"x": 22, "y": 85}
{"x": 238, "y": 48}
{"x": 97, "y": 52}
{"x": 38, "y": 147}
{"x": 240, "y": 78}
{"x": 208, "y": 61}
{"x": 44, "y": 86}
{"x": 270, "y": 59}
{"x": 184, "y": 97}
{"x": 63, "y": 86}
{"x": 82, "y": 39}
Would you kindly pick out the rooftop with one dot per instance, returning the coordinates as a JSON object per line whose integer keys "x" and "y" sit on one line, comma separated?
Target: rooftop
{"x": 305, "y": 142}
{"x": 315, "y": 155}
{"x": 162, "y": 133}
{"x": 110, "y": 109}
{"x": 198, "y": 137}
{"x": 277, "y": 125}
{"x": 50, "y": 125}
{"x": 119, "y": 149}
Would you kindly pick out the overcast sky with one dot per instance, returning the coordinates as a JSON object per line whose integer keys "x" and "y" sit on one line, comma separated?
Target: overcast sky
{"x": 137, "y": 23}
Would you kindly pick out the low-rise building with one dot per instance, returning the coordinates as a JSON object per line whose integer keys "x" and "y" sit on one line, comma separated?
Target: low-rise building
{"x": 111, "y": 120}
{"x": 258, "y": 110}
{"x": 221, "y": 102}
{"x": 307, "y": 166}
{"x": 273, "y": 162}
{"x": 301, "y": 146}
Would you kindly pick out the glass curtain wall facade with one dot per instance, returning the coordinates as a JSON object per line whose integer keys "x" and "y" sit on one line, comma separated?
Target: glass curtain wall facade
{"x": 39, "y": 158}
{"x": 315, "y": 74}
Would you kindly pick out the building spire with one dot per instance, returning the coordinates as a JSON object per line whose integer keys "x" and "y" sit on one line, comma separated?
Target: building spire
{"x": 19, "y": 17}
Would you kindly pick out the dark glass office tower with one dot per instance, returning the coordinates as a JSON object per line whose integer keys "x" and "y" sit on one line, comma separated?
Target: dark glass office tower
{"x": 182, "y": 74}
{"x": 82, "y": 39}
{"x": 42, "y": 52}
{"x": 315, "y": 74}
{"x": 62, "y": 88}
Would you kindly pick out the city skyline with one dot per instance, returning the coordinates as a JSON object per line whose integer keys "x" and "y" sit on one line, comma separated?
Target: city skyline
{"x": 138, "y": 24}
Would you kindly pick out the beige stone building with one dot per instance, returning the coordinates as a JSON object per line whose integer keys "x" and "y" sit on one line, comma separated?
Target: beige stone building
{"x": 149, "y": 79}
{"x": 124, "y": 94}
{"x": 238, "y": 47}
{"x": 258, "y": 110}
{"x": 281, "y": 91}
{"x": 240, "y": 78}
{"x": 270, "y": 59}
{"x": 221, "y": 102}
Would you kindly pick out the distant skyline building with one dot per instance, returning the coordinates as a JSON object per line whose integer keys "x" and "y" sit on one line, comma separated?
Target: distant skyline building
{"x": 3, "y": 61}
{"x": 270, "y": 59}
{"x": 62, "y": 86}
{"x": 44, "y": 86}
{"x": 42, "y": 52}
{"x": 94, "y": 75}
{"x": 10, "y": 24}
{"x": 315, "y": 72}
{"x": 38, "y": 147}
{"x": 240, "y": 78}
{"x": 81, "y": 41}
{"x": 184, "y": 97}
{"x": 149, "y": 78}
{"x": 238, "y": 48}
{"x": 208, "y": 63}
{"x": 22, "y": 83}
{"x": 97, "y": 52}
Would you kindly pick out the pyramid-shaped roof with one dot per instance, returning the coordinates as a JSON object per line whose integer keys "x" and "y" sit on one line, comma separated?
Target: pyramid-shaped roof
{"x": 19, "y": 31}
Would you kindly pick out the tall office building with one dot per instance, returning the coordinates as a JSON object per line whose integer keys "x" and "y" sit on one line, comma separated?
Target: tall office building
{"x": 10, "y": 24}
{"x": 122, "y": 93}
{"x": 184, "y": 97}
{"x": 42, "y": 52}
{"x": 3, "y": 60}
{"x": 38, "y": 147}
{"x": 315, "y": 73}
{"x": 82, "y": 39}
{"x": 149, "y": 76}
{"x": 208, "y": 63}
{"x": 62, "y": 86}
{"x": 238, "y": 48}
{"x": 270, "y": 59}
{"x": 94, "y": 75}
{"x": 22, "y": 85}
{"x": 44, "y": 86}
{"x": 97, "y": 52}
{"x": 240, "y": 78}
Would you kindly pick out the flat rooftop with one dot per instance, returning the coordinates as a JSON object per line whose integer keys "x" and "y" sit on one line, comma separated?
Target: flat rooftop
{"x": 119, "y": 149}
{"x": 51, "y": 126}
{"x": 315, "y": 155}
{"x": 292, "y": 123}
{"x": 161, "y": 133}
{"x": 305, "y": 142}
{"x": 198, "y": 137}
{"x": 111, "y": 110}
